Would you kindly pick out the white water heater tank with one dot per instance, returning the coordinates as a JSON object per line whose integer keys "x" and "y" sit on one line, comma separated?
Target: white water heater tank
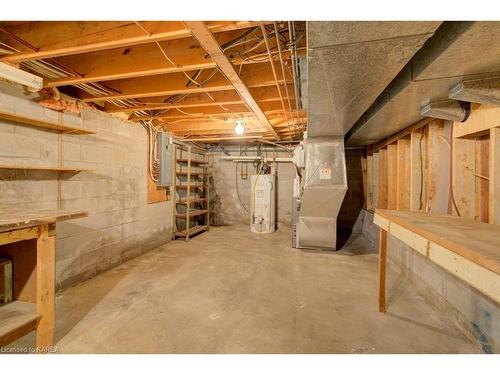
{"x": 263, "y": 203}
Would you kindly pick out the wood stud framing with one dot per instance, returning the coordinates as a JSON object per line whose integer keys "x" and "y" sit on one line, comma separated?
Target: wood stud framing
{"x": 435, "y": 164}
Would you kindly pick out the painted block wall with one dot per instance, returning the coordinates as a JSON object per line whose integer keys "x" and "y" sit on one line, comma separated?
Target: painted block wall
{"x": 230, "y": 210}
{"x": 475, "y": 313}
{"x": 120, "y": 224}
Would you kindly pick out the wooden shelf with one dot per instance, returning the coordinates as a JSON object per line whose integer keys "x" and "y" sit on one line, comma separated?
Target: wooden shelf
{"x": 192, "y": 231}
{"x": 16, "y": 319}
{"x": 29, "y": 121}
{"x": 192, "y": 213}
{"x": 33, "y": 168}
{"x": 193, "y": 161}
{"x": 185, "y": 186}
{"x": 194, "y": 200}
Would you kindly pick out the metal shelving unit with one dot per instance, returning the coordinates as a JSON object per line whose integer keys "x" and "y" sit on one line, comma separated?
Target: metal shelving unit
{"x": 191, "y": 191}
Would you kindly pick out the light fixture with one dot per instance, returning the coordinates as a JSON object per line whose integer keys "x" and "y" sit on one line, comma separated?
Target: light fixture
{"x": 20, "y": 76}
{"x": 239, "y": 127}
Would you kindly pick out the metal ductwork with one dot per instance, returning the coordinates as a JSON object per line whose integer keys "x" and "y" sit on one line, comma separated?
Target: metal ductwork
{"x": 323, "y": 192}
{"x": 349, "y": 65}
{"x": 456, "y": 63}
{"x": 447, "y": 110}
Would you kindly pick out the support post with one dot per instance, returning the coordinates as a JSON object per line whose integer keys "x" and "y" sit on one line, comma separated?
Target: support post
{"x": 381, "y": 269}
{"x": 45, "y": 287}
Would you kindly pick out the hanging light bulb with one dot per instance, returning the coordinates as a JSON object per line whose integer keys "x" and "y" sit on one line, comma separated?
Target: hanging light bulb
{"x": 240, "y": 127}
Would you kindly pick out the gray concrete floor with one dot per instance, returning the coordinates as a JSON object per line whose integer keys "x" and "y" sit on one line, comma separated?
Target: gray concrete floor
{"x": 231, "y": 291}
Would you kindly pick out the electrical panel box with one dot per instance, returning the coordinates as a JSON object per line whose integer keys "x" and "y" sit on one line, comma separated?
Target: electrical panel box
{"x": 165, "y": 154}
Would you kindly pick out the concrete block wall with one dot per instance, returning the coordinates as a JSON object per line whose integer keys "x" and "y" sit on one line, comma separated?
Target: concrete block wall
{"x": 231, "y": 211}
{"x": 476, "y": 314}
{"x": 120, "y": 224}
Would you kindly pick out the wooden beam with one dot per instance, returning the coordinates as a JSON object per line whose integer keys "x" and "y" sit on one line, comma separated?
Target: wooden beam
{"x": 417, "y": 170}
{"x": 257, "y": 75}
{"x": 206, "y": 39}
{"x": 124, "y": 35}
{"x": 382, "y": 199}
{"x": 145, "y": 60}
{"x": 214, "y": 139}
{"x": 392, "y": 165}
{"x": 403, "y": 175}
{"x": 202, "y": 112}
{"x": 376, "y": 180}
{"x": 494, "y": 175}
{"x": 369, "y": 182}
{"x": 260, "y": 94}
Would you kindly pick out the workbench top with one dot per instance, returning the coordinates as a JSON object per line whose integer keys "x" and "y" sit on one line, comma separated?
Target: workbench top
{"x": 11, "y": 220}
{"x": 475, "y": 241}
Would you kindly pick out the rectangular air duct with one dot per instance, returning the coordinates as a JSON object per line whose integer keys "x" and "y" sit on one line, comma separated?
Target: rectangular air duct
{"x": 325, "y": 185}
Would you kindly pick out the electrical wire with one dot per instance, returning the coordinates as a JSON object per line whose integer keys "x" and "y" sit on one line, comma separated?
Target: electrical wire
{"x": 237, "y": 189}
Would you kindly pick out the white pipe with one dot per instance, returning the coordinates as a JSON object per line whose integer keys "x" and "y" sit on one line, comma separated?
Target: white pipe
{"x": 248, "y": 159}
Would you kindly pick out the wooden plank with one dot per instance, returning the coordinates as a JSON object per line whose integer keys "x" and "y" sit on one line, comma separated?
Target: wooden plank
{"x": 364, "y": 171}
{"x": 382, "y": 198}
{"x": 403, "y": 133}
{"x": 392, "y": 167}
{"x": 438, "y": 176}
{"x": 369, "y": 181}
{"x": 480, "y": 175}
{"x": 482, "y": 118}
{"x": 122, "y": 36}
{"x": 403, "y": 174}
{"x": 41, "y": 168}
{"x": 376, "y": 180}
{"x": 45, "y": 287}
{"x": 18, "y": 235}
{"x": 420, "y": 231}
{"x": 473, "y": 240}
{"x": 494, "y": 175}
{"x": 16, "y": 319}
{"x": 381, "y": 269}
{"x": 463, "y": 180}
{"x": 156, "y": 194}
{"x": 417, "y": 172}
{"x": 11, "y": 220}
{"x": 208, "y": 42}
{"x": 34, "y": 122}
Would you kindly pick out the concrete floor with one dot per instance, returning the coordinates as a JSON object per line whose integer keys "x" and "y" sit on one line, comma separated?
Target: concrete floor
{"x": 230, "y": 291}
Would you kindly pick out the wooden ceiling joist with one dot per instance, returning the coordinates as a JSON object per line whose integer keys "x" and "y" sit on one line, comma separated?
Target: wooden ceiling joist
{"x": 124, "y": 35}
{"x": 201, "y": 112}
{"x": 146, "y": 60}
{"x": 260, "y": 94}
{"x": 258, "y": 75}
{"x": 207, "y": 41}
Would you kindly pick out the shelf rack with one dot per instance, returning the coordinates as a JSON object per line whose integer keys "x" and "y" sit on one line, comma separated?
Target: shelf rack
{"x": 33, "y": 122}
{"x": 54, "y": 126}
{"x": 192, "y": 211}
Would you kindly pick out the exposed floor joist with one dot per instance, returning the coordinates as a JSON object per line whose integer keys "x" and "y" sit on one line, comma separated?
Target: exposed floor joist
{"x": 206, "y": 39}
{"x": 120, "y": 37}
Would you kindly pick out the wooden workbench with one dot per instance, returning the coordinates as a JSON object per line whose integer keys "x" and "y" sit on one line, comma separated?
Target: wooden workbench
{"x": 28, "y": 239}
{"x": 468, "y": 249}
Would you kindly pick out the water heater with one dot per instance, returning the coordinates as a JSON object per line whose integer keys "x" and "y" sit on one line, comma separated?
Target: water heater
{"x": 263, "y": 203}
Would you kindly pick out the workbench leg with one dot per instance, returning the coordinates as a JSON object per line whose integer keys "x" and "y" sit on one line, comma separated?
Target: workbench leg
{"x": 381, "y": 269}
{"x": 45, "y": 288}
